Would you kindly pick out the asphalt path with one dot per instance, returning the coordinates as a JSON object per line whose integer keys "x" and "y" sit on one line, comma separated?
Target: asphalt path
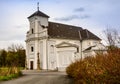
{"x": 41, "y": 77}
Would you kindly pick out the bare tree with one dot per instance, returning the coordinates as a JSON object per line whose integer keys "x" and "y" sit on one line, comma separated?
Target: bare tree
{"x": 112, "y": 37}
{"x": 15, "y": 48}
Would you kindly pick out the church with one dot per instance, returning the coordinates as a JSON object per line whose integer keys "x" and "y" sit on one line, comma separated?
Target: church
{"x": 53, "y": 46}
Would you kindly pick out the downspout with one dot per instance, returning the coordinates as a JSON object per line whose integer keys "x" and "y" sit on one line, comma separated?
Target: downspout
{"x": 81, "y": 49}
{"x": 80, "y": 38}
{"x": 47, "y": 51}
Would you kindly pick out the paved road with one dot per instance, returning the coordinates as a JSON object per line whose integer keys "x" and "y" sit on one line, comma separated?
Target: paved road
{"x": 41, "y": 77}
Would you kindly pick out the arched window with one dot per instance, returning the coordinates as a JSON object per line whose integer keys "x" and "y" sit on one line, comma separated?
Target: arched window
{"x": 32, "y": 31}
{"x": 32, "y": 49}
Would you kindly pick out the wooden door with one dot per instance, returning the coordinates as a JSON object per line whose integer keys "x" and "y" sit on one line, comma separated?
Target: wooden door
{"x": 31, "y": 65}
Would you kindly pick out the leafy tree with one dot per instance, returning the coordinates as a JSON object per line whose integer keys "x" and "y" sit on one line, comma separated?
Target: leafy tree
{"x": 12, "y": 58}
{"x": 21, "y": 54}
{"x": 16, "y": 56}
{"x": 3, "y": 55}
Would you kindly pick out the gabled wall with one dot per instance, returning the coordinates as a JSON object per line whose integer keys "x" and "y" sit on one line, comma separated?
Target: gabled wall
{"x": 57, "y": 62}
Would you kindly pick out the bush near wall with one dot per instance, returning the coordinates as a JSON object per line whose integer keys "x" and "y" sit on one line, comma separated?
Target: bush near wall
{"x": 101, "y": 69}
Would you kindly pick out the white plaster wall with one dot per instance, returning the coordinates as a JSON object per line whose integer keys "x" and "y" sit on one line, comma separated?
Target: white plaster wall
{"x": 36, "y": 50}
{"x": 43, "y": 20}
{"x": 89, "y": 53}
{"x": 43, "y": 33}
{"x": 44, "y": 53}
{"x": 88, "y": 43}
{"x": 30, "y": 55}
{"x": 39, "y": 46}
{"x": 41, "y": 53}
{"x": 57, "y": 58}
{"x": 51, "y": 55}
{"x": 46, "y": 57}
{"x": 26, "y": 60}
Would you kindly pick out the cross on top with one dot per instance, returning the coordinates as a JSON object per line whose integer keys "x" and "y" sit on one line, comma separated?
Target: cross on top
{"x": 38, "y": 6}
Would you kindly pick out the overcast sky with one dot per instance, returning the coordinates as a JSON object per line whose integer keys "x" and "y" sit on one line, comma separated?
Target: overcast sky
{"x": 94, "y": 15}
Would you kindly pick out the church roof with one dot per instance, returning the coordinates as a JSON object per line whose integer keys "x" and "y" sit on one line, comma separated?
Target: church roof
{"x": 38, "y": 13}
{"x": 58, "y": 30}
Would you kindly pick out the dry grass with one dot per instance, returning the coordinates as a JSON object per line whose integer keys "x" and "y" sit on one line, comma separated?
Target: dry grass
{"x": 7, "y": 73}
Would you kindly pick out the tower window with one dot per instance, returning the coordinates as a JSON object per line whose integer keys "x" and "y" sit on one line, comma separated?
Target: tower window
{"x": 77, "y": 49}
{"x": 32, "y": 31}
{"x": 32, "y": 49}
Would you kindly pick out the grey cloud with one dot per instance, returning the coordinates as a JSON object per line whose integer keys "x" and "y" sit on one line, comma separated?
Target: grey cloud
{"x": 85, "y": 16}
{"x": 72, "y": 17}
{"x": 81, "y": 9}
{"x": 68, "y": 18}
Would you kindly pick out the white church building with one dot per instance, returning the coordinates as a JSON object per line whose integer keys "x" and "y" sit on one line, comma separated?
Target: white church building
{"x": 57, "y": 45}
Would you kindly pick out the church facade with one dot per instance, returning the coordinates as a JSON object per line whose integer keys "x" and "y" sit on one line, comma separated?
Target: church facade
{"x": 57, "y": 45}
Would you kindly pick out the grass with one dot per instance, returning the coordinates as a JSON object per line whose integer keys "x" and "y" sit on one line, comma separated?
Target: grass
{"x": 8, "y": 73}
{"x": 10, "y": 76}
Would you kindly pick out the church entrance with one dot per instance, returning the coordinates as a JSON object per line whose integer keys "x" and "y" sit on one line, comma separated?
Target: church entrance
{"x": 65, "y": 54}
{"x": 64, "y": 59}
{"x": 31, "y": 65}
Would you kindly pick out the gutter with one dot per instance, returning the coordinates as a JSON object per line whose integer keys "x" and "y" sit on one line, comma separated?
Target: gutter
{"x": 80, "y": 42}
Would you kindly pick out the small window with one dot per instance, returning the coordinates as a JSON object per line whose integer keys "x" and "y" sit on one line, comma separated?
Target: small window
{"x": 77, "y": 49}
{"x": 32, "y": 49}
{"x": 32, "y": 31}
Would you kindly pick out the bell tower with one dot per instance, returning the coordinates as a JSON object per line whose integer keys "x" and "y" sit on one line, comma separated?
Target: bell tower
{"x": 37, "y": 20}
{"x": 38, "y": 23}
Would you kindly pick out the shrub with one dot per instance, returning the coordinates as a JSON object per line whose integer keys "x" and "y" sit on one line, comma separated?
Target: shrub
{"x": 103, "y": 68}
